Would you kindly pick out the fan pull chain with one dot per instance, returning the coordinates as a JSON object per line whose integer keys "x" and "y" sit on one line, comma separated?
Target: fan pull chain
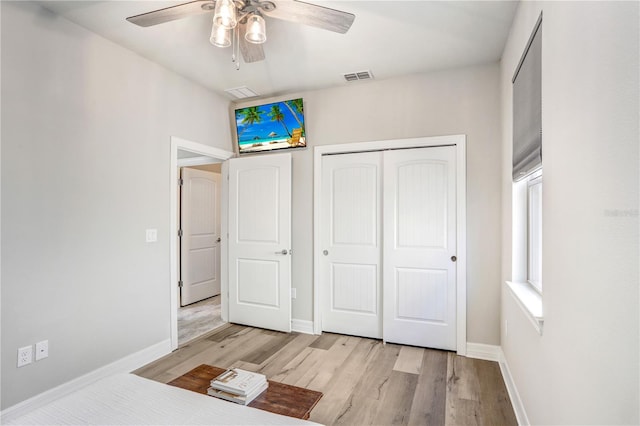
{"x": 235, "y": 46}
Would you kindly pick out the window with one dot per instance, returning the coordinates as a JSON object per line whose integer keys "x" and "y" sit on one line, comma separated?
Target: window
{"x": 526, "y": 279}
{"x": 534, "y": 230}
{"x": 527, "y": 162}
{"x": 526, "y": 284}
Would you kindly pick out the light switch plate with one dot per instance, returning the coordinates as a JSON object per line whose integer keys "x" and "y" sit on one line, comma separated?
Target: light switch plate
{"x": 152, "y": 235}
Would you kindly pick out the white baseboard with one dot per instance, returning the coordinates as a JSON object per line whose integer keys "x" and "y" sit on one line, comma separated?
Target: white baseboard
{"x": 482, "y": 351}
{"x": 516, "y": 402}
{"x": 302, "y": 326}
{"x": 123, "y": 365}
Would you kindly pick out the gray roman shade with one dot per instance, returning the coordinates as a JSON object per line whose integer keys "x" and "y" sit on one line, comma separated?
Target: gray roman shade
{"x": 527, "y": 107}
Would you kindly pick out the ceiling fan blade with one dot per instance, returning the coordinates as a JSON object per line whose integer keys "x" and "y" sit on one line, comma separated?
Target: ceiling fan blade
{"x": 313, "y": 15}
{"x": 172, "y": 13}
{"x": 251, "y": 52}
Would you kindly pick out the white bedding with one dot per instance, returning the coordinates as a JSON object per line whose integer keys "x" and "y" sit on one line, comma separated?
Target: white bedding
{"x": 127, "y": 399}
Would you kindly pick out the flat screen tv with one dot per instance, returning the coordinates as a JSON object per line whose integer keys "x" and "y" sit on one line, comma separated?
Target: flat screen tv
{"x": 271, "y": 127}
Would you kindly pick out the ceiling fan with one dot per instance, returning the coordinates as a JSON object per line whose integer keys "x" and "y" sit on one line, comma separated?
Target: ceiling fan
{"x": 240, "y": 23}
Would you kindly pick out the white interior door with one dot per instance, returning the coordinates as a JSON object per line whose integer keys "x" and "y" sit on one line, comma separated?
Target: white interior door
{"x": 420, "y": 247}
{"x": 350, "y": 262}
{"x": 200, "y": 241}
{"x": 260, "y": 241}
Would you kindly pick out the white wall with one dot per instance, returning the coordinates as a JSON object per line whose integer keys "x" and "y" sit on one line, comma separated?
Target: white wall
{"x": 584, "y": 368}
{"x": 85, "y": 170}
{"x": 458, "y": 101}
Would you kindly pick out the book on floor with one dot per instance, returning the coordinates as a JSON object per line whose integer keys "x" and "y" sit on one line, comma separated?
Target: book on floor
{"x": 238, "y": 382}
{"x": 238, "y": 399}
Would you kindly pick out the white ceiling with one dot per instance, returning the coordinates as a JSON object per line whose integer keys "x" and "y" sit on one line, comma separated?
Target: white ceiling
{"x": 390, "y": 38}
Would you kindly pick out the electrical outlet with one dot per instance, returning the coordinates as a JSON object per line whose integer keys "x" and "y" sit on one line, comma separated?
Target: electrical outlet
{"x": 42, "y": 350}
{"x": 25, "y": 356}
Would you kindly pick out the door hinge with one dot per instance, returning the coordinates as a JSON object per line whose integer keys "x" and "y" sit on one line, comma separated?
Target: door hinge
{"x": 180, "y": 181}
{"x": 180, "y": 283}
{"x": 179, "y": 232}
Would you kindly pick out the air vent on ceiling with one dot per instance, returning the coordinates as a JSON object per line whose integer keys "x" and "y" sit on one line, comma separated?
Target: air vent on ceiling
{"x": 241, "y": 92}
{"x": 360, "y": 75}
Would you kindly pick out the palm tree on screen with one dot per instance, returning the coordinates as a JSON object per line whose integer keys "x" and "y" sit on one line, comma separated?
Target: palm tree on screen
{"x": 295, "y": 106}
{"x": 276, "y": 115}
{"x": 251, "y": 115}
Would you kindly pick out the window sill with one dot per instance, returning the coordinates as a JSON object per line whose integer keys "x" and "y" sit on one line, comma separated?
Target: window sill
{"x": 530, "y": 301}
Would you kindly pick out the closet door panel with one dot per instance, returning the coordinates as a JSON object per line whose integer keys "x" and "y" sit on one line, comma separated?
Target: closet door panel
{"x": 350, "y": 264}
{"x": 421, "y": 295}
{"x": 420, "y": 238}
{"x": 421, "y": 204}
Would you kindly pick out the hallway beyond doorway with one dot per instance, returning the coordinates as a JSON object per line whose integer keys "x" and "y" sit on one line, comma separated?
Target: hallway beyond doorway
{"x": 198, "y": 318}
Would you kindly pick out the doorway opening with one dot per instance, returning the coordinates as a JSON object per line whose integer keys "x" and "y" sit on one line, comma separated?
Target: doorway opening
{"x": 206, "y": 313}
{"x": 199, "y": 247}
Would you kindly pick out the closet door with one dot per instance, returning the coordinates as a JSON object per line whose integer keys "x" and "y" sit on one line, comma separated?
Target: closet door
{"x": 350, "y": 261}
{"x": 420, "y": 247}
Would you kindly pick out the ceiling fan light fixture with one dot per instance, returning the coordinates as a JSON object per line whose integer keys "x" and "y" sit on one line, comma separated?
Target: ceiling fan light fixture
{"x": 220, "y": 36}
{"x": 225, "y": 14}
{"x": 234, "y": 19}
{"x": 256, "y": 29}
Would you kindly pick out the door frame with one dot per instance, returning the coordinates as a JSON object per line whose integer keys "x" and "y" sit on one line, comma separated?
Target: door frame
{"x": 205, "y": 154}
{"x": 459, "y": 141}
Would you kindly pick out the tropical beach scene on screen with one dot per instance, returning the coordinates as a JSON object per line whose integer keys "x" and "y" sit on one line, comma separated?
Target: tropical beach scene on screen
{"x": 269, "y": 127}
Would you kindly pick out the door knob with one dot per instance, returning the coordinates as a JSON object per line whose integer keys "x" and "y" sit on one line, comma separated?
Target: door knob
{"x": 283, "y": 251}
{"x": 453, "y": 258}
{"x": 325, "y": 252}
{"x": 218, "y": 240}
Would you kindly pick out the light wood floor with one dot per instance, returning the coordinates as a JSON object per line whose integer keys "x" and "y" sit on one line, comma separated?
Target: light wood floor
{"x": 364, "y": 381}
